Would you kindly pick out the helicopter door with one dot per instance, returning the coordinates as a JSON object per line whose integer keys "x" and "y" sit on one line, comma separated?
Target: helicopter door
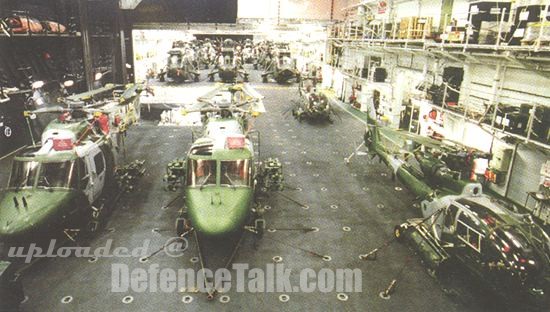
{"x": 85, "y": 183}
{"x": 450, "y": 219}
{"x": 96, "y": 167}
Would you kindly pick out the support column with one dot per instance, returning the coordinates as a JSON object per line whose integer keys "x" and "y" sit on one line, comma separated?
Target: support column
{"x": 86, "y": 50}
{"x": 119, "y": 48}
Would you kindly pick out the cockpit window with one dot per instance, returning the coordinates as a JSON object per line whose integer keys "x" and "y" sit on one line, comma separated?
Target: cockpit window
{"x": 467, "y": 231}
{"x": 201, "y": 172}
{"x": 235, "y": 172}
{"x": 175, "y": 59}
{"x": 57, "y": 174}
{"x": 23, "y": 174}
{"x": 48, "y": 174}
{"x": 286, "y": 61}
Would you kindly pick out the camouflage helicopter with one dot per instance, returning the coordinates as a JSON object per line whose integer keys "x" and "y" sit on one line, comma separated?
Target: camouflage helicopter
{"x": 263, "y": 54}
{"x": 57, "y": 187}
{"x": 205, "y": 54}
{"x": 463, "y": 230}
{"x": 281, "y": 68}
{"x": 181, "y": 64}
{"x": 313, "y": 105}
{"x": 249, "y": 56}
{"x": 220, "y": 178}
{"x": 229, "y": 64}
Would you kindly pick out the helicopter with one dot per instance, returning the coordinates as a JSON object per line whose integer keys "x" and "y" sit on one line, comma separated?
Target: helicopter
{"x": 181, "y": 64}
{"x": 263, "y": 54}
{"x": 220, "y": 177}
{"x": 60, "y": 183}
{"x": 313, "y": 105}
{"x": 282, "y": 68}
{"x": 229, "y": 63}
{"x": 249, "y": 56}
{"x": 205, "y": 54}
{"x": 462, "y": 229}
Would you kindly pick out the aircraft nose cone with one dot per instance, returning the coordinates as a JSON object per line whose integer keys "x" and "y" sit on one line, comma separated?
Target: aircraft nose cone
{"x": 225, "y": 214}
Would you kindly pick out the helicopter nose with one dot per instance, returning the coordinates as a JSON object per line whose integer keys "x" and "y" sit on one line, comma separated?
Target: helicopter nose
{"x": 34, "y": 213}
{"x": 220, "y": 214}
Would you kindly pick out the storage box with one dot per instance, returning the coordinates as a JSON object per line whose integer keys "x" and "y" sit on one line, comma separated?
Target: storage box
{"x": 524, "y": 16}
{"x": 415, "y": 27}
{"x": 488, "y": 32}
{"x": 501, "y": 159}
{"x": 533, "y": 33}
{"x": 487, "y": 11}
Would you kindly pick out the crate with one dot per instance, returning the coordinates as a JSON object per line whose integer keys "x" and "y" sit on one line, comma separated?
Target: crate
{"x": 533, "y": 34}
{"x": 415, "y": 27}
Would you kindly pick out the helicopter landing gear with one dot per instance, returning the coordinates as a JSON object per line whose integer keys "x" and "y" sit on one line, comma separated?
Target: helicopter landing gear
{"x": 259, "y": 225}
{"x": 211, "y": 78}
{"x": 182, "y": 226}
{"x": 196, "y": 79}
{"x": 399, "y": 231}
{"x": 245, "y": 79}
{"x": 264, "y": 79}
{"x": 95, "y": 219}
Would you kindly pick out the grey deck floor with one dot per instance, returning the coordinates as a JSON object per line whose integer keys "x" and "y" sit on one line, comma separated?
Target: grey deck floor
{"x": 360, "y": 195}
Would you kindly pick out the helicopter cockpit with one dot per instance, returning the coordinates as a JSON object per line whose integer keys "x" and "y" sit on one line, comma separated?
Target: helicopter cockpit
{"x": 235, "y": 172}
{"x": 232, "y": 173}
{"x": 201, "y": 172}
{"x": 174, "y": 59}
{"x": 285, "y": 61}
{"x": 32, "y": 173}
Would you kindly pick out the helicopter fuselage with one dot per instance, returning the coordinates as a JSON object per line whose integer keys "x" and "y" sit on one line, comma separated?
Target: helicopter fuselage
{"x": 52, "y": 186}
{"x": 219, "y": 183}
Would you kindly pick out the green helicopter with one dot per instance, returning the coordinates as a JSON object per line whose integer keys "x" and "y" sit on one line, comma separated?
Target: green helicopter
{"x": 220, "y": 176}
{"x": 463, "y": 232}
{"x": 56, "y": 186}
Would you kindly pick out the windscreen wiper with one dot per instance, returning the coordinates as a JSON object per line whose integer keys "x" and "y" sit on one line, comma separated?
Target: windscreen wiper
{"x": 205, "y": 180}
{"x": 230, "y": 181}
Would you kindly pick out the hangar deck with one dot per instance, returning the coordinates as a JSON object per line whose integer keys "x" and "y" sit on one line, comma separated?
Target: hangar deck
{"x": 360, "y": 196}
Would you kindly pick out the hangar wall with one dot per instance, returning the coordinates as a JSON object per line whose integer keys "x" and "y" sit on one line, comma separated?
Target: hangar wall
{"x": 488, "y": 81}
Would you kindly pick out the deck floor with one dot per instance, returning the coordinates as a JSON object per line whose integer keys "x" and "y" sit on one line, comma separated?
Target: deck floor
{"x": 360, "y": 195}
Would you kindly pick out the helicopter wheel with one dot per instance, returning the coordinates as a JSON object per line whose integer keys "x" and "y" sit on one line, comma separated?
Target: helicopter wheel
{"x": 245, "y": 79}
{"x": 181, "y": 226}
{"x": 196, "y": 78}
{"x": 211, "y": 78}
{"x": 161, "y": 78}
{"x": 264, "y": 79}
{"x": 259, "y": 226}
{"x": 399, "y": 231}
{"x": 256, "y": 66}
